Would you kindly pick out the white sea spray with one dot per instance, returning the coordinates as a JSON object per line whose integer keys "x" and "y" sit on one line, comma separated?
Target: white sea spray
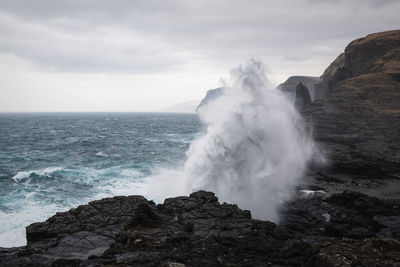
{"x": 255, "y": 150}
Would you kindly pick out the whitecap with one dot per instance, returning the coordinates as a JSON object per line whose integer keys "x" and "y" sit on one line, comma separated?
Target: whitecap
{"x": 49, "y": 170}
{"x": 22, "y": 175}
{"x": 102, "y": 154}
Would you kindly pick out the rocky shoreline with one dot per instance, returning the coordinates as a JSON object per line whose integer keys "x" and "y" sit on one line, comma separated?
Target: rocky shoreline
{"x": 344, "y": 229}
{"x": 347, "y": 212}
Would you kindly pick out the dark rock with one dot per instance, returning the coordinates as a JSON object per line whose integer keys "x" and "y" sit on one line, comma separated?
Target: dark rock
{"x": 351, "y": 252}
{"x": 391, "y": 226}
{"x": 348, "y": 214}
{"x": 66, "y": 263}
{"x": 195, "y": 230}
{"x": 199, "y": 231}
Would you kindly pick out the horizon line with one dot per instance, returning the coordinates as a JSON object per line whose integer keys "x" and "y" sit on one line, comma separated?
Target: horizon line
{"x": 2, "y": 112}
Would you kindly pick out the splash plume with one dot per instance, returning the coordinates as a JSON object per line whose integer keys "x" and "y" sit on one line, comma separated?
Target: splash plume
{"x": 255, "y": 150}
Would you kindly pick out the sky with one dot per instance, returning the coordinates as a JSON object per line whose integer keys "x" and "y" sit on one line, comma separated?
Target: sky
{"x": 107, "y": 55}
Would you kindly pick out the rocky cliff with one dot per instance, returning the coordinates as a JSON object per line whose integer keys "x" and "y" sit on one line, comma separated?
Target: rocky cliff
{"x": 357, "y": 122}
{"x": 376, "y": 53}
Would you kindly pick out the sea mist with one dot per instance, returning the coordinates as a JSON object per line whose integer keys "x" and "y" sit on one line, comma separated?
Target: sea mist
{"x": 255, "y": 149}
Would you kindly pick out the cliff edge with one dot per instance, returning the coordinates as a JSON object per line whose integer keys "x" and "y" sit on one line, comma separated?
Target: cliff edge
{"x": 357, "y": 121}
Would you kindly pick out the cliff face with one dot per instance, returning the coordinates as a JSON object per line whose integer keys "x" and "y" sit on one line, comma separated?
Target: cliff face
{"x": 376, "y": 53}
{"x": 289, "y": 86}
{"x": 358, "y": 121}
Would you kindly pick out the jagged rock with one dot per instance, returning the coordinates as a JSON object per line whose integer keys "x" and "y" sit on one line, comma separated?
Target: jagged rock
{"x": 199, "y": 231}
{"x": 289, "y": 86}
{"x": 302, "y": 96}
{"x": 194, "y": 231}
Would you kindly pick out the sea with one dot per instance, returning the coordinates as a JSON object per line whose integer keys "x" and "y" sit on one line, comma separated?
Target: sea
{"x": 51, "y": 162}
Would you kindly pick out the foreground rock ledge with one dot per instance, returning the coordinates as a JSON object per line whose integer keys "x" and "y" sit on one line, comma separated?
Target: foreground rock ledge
{"x": 199, "y": 231}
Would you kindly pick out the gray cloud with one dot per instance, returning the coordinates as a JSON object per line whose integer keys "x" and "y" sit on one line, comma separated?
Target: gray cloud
{"x": 158, "y": 36}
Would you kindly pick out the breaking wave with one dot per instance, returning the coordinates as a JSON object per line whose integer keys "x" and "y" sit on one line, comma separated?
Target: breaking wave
{"x": 23, "y": 175}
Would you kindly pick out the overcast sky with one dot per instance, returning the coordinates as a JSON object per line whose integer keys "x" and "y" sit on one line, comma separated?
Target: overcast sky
{"x": 98, "y": 55}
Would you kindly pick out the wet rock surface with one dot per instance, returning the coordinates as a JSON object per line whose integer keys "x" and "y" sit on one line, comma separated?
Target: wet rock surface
{"x": 315, "y": 230}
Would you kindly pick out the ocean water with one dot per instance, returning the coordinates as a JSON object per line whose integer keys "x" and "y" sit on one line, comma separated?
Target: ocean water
{"x": 51, "y": 162}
